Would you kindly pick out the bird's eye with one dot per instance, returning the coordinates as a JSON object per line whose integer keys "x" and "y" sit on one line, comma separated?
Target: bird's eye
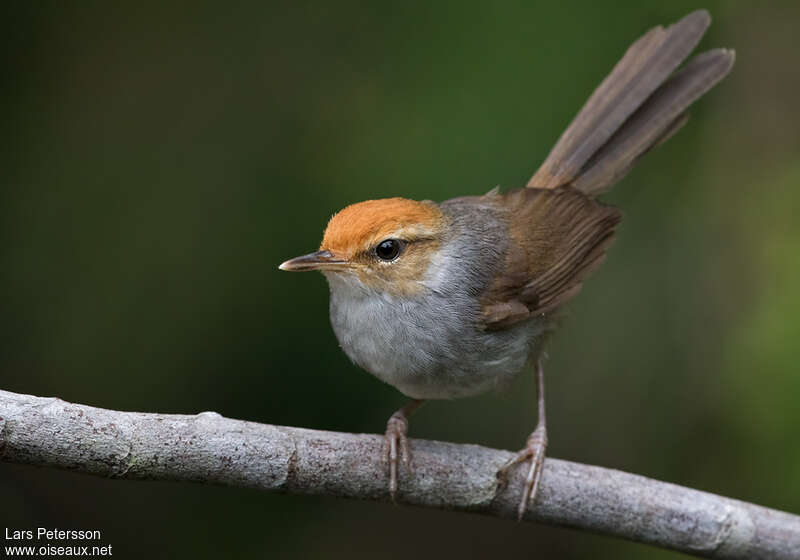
{"x": 389, "y": 249}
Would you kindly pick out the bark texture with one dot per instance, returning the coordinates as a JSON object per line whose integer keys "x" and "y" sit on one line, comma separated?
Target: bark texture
{"x": 210, "y": 448}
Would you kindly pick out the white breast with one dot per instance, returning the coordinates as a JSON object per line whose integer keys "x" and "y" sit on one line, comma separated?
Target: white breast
{"x": 428, "y": 347}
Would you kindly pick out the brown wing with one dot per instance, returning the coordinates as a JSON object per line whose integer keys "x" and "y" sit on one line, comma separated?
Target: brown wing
{"x": 557, "y": 237}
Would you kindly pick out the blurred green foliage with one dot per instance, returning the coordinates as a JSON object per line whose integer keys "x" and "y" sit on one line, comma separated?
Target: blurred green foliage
{"x": 159, "y": 162}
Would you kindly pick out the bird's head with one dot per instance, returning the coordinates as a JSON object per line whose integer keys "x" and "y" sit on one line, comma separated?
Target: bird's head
{"x": 382, "y": 245}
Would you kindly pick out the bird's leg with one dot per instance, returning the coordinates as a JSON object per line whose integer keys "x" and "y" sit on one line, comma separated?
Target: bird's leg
{"x": 397, "y": 443}
{"x": 534, "y": 450}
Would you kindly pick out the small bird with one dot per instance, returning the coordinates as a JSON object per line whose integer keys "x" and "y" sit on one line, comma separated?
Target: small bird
{"x": 453, "y": 299}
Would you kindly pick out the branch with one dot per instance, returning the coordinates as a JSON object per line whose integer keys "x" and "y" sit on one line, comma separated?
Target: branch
{"x": 209, "y": 448}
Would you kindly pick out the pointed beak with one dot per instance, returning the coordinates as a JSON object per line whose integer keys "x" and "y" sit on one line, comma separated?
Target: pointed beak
{"x": 321, "y": 260}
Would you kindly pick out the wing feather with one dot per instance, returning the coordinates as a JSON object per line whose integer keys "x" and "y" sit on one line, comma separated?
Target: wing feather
{"x": 558, "y": 237}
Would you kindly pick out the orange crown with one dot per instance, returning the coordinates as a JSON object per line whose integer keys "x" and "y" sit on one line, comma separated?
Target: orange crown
{"x": 360, "y": 226}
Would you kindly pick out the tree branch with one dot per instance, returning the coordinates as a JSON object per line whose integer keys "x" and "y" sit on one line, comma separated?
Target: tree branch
{"x": 209, "y": 448}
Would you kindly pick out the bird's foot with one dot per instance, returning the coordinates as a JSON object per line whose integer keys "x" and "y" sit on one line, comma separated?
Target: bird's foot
{"x": 534, "y": 450}
{"x": 396, "y": 447}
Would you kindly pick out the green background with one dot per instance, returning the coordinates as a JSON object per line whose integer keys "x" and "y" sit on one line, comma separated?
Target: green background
{"x": 159, "y": 162}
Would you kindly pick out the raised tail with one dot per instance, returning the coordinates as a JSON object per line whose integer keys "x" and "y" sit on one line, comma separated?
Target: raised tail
{"x": 640, "y": 104}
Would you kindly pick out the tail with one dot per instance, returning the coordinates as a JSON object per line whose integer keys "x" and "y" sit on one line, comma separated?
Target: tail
{"x": 638, "y": 106}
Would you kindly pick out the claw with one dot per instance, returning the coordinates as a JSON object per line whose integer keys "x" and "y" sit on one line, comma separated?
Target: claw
{"x": 396, "y": 448}
{"x": 534, "y": 450}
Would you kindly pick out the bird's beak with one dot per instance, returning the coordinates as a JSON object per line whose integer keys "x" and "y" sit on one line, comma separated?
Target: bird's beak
{"x": 321, "y": 260}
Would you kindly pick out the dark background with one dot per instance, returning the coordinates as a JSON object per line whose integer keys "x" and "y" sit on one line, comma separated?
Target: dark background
{"x": 159, "y": 162}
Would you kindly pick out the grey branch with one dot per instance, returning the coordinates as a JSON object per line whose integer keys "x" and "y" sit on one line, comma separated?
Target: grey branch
{"x": 209, "y": 448}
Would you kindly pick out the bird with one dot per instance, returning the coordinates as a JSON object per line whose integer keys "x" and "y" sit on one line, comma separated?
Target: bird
{"x": 453, "y": 299}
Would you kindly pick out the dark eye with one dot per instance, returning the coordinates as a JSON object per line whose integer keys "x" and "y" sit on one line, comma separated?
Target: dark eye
{"x": 389, "y": 249}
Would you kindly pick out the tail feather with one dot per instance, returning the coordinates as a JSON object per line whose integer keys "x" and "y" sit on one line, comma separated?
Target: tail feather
{"x": 654, "y": 122}
{"x": 635, "y": 108}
